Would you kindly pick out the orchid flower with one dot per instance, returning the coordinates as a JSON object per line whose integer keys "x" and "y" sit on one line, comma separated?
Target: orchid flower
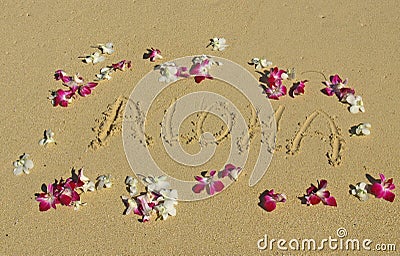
{"x": 217, "y": 44}
{"x": 363, "y": 129}
{"x": 274, "y": 92}
{"x": 201, "y": 66}
{"x": 130, "y": 203}
{"x": 77, "y": 205}
{"x": 48, "y": 138}
{"x": 260, "y": 63}
{"x": 23, "y": 165}
{"x": 131, "y": 183}
{"x": 212, "y": 186}
{"x": 299, "y": 89}
{"x": 61, "y": 75}
{"x": 316, "y": 195}
{"x": 268, "y": 202}
{"x": 85, "y": 90}
{"x": 166, "y": 208}
{"x": 67, "y": 194}
{"x": 103, "y": 181}
{"x": 47, "y": 199}
{"x": 94, "y": 58}
{"x": 145, "y": 206}
{"x": 231, "y": 171}
{"x": 106, "y": 48}
{"x": 63, "y": 97}
{"x": 383, "y": 188}
{"x": 276, "y": 76}
{"x": 84, "y": 183}
{"x": 337, "y": 86}
{"x": 356, "y": 103}
{"x": 360, "y": 191}
{"x": 156, "y": 184}
{"x": 170, "y": 72}
{"x": 105, "y": 73}
{"x": 153, "y": 54}
{"x": 122, "y": 65}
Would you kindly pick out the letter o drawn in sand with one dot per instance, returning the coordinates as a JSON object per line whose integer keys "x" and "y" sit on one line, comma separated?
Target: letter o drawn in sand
{"x": 148, "y": 89}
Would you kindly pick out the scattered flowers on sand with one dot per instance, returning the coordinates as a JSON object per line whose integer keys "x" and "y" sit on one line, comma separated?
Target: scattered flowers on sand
{"x": 48, "y": 138}
{"x": 260, "y": 63}
{"x": 64, "y": 192}
{"x": 269, "y": 200}
{"x": 158, "y": 199}
{"x": 363, "y": 129}
{"x": 152, "y": 54}
{"x": 217, "y": 44}
{"x": 315, "y": 195}
{"x": 208, "y": 183}
{"x": 383, "y": 188}
{"x": 360, "y": 191}
{"x": 23, "y": 165}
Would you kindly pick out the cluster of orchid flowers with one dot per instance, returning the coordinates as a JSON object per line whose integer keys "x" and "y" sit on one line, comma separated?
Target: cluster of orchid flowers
{"x": 316, "y": 194}
{"x": 211, "y": 184}
{"x": 158, "y": 199}
{"x": 77, "y": 86}
{"x": 68, "y": 192}
{"x": 200, "y": 69}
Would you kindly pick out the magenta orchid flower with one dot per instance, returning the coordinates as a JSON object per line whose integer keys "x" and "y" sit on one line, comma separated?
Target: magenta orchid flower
{"x": 269, "y": 200}
{"x": 275, "y": 92}
{"x": 212, "y": 186}
{"x": 276, "y": 76}
{"x": 383, "y": 188}
{"x": 321, "y": 194}
{"x": 337, "y": 86}
{"x": 152, "y": 54}
{"x": 66, "y": 192}
{"x": 299, "y": 89}
{"x": 61, "y": 75}
{"x": 201, "y": 66}
{"x": 47, "y": 199}
{"x": 144, "y": 206}
{"x": 122, "y": 65}
{"x": 231, "y": 171}
{"x": 63, "y": 97}
{"x": 85, "y": 90}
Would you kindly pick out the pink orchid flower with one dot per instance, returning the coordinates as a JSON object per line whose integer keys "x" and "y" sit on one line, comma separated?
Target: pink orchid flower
{"x": 200, "y": 70}
{"x": 316, "y": 195}
{"x": 269, "y": 200}
{"x": 66, "y": 192}
{"x": 47, "y": 199}
{"x": 85, "y": 90}
{"x": 212, "y": 186}
{"x": 61, "y": 75}
{"x": 122, "y": 65}
{"x": 145, "y": 205}
{"x": 231, "y": 171}
{"x": 63, "y": 97}
{"x": 275, "y": 91}
{"x": 383, "y": 188}
{"x": 337, "y": 86}
{"x": 276, "y": 76}
{"x": 153, "y": 54}
{"x": 299, "y": 89}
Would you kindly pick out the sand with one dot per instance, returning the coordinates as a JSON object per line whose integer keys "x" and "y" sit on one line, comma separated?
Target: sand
{"x": 357, "y": 39}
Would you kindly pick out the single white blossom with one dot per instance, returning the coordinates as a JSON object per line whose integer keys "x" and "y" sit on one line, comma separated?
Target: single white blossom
{"x": 260, "y": 63}
{"x": 105, "y": 73}
{"x": 363, "y": 129}
{"x": 103, "y": 181}
{"x": 218, "y": 44}
{"x": 48, "y": 138}
{"x": 94, "y": 58}
{"x": 77, "y": 205}
{"x": 356, "y": 103}
{"x": 106, "y": 48}
{"x": 131, "y": 183}
{"x": 23, "y": 165}
{"x": 360, "y": 191}
{"x": 156, "y": 184}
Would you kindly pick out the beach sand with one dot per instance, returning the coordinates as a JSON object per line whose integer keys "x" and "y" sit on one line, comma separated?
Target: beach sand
{"x": 358, "y": 40}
